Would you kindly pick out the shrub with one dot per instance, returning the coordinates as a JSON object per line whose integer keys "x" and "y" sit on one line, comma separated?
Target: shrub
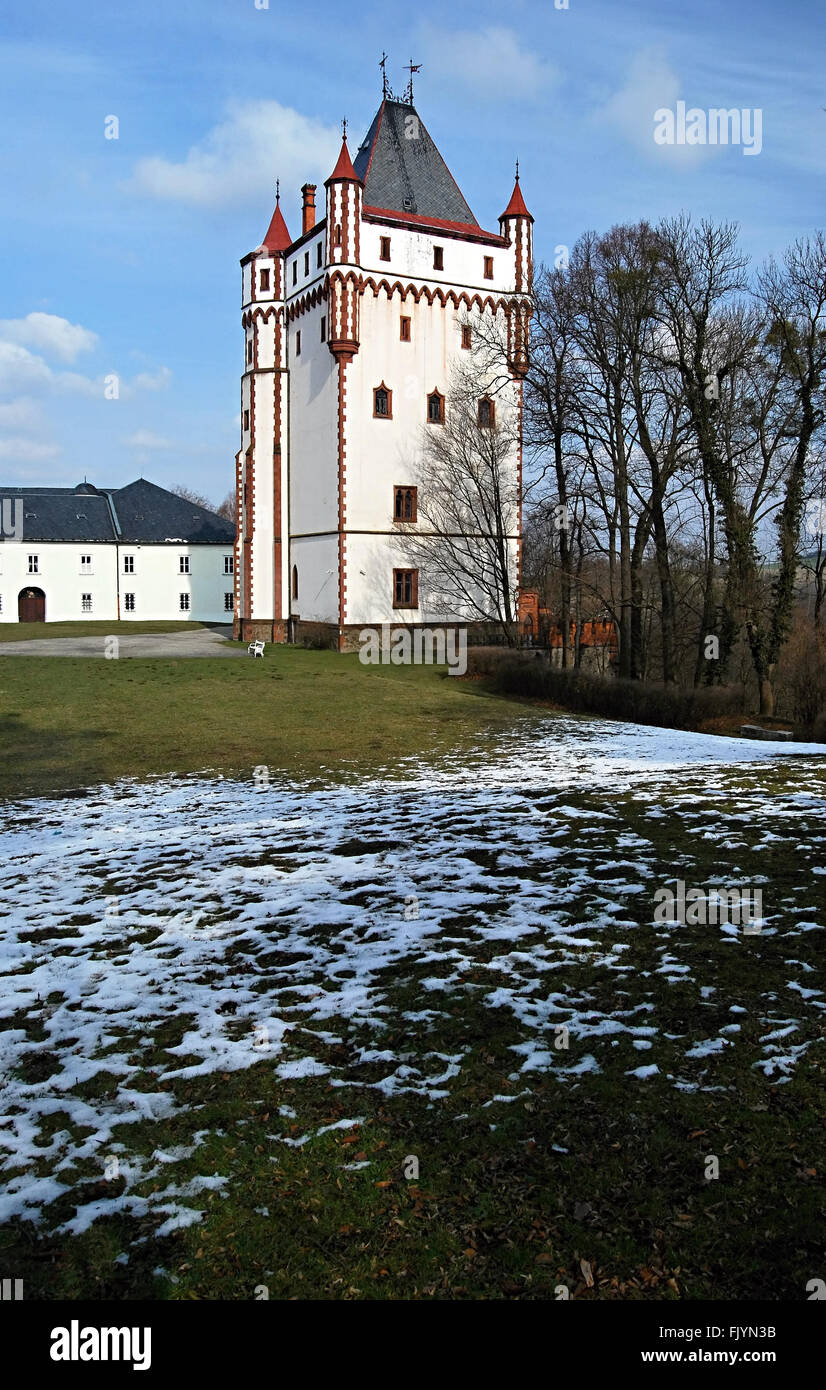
{"x": 641, "y": 702}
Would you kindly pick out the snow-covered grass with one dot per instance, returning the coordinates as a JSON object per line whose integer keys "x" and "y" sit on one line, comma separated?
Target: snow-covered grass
{"x": 422, "y": 939}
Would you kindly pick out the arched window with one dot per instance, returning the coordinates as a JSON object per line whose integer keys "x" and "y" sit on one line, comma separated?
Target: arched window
{"x": 382, "y": 403}
{"x": 435, "y": 408}
{"x": 487, "y": 413}
{"x": 295, "y": 581}
{"x": 337, "y": 235}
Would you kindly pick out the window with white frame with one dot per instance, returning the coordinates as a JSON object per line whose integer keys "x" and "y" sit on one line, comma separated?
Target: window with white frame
{"x": 86, "y": 564}
{"x": 129, "y": 603}
{"x": 183, "y": 562}
{"x": 129, "y": 564}
{"x": 229, "y": 564}
{"x": 228, "y": 602}
{"x": 184, "y": 603}
{"x": 34, "y": 564}
{"x": 85, "y": 603}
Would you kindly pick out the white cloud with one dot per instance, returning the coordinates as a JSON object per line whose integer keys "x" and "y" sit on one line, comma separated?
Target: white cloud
{"x": 650, "y": 85}
{"x": 242, "y": 156}
{"x": 49, "y": 333}
{"x": 152, "y": 381}
{"x": 490, "y": 62}
{"x": 145, "y": 439}
{"x": 32, "y": 450}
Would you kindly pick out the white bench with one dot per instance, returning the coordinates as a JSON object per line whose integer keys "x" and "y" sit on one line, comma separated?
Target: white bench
{"x": 256, "y": 649}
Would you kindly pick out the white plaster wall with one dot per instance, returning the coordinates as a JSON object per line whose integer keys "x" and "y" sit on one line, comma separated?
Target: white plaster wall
{"x": 156, "y": 582}
{"x": 313, "y": 427}
{"x": 411, "y": 258}
{"x": 317, "y": 561}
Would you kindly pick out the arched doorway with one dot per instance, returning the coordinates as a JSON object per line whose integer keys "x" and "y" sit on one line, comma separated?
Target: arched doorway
{"x": 31, "y": 606}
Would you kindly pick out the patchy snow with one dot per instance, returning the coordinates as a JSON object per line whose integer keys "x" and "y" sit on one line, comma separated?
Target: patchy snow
{"x": 192, "y": 926}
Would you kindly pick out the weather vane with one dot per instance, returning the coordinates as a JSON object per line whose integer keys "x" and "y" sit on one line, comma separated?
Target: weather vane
{"x": 277, "y": 189}
{"x": 385, "y": 87}
{"x": 411, "y": 68}
{"x": 344, "y": 128}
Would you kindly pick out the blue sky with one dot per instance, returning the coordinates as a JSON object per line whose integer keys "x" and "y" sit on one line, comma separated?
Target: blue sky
{"x": 121, "y": 256}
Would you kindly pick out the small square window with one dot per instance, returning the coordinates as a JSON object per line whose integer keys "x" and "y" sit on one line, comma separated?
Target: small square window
{"x": 263, "y": 279}
{"x": 298, "y": 343}
{"x": 488, "y": 267}
{"x": 86, "y": 603}
{"x": 229, "y": 564}
{"x": 318, "y": 254}
{"x": 438, "y": 258}
{"x": 466, "y": 336}
{"x": 323, "y": 328}
{"x": 129, "y": 564}
{"x": 228, "y": 602}
{"x": 184, "y": 602}
{"x": 384, "y": 252}
{"x": 129, "y": 603}
{"x": 405, "y": 588}
{"x": 246, "y": 419}
{"x": 306, "y": 262}
{"x": 404, "y": 329}
{"x": 405, "y": 503}
{"x": 86, "y": 564}
{"x": 183, "y": 564}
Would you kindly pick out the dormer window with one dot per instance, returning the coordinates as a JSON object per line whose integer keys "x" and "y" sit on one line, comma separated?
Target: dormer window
{"x": 487, "y": 414}
{"x": 488, "y": 267}
{"x": 382, "y": 403}
{"x": 263, "y": 279}
{"x": 384, "y": 251}
{"x": 435, "y": 408}
{"x": 438, "y": 258}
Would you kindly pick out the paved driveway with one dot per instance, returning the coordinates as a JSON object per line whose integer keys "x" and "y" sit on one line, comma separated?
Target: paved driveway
{"x": 206, "y": 641}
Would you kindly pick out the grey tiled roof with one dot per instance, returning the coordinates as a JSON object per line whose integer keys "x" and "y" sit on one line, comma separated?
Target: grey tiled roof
{"x": 403, "y": 170}
{"x": 141, "y": 513}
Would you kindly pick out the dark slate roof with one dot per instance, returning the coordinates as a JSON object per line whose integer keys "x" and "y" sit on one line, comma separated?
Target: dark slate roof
{"x": 140, "y": 513}
{"x": 408, "y": 176}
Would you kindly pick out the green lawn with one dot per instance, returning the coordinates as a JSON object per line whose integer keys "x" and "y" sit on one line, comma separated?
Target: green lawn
{"x": 29, "y": 632}
{"x": 74, "y": 722}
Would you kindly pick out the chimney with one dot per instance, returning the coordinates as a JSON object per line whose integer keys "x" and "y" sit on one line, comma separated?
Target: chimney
{"x": 308, "y": 208}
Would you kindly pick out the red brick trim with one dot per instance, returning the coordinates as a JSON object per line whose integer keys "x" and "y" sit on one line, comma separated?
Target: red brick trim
{"x": 342, "y": 492}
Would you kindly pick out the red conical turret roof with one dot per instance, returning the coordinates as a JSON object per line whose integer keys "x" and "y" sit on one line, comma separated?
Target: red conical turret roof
{"x": 344, "y": 168}
{"x": 277, "y": 238}
{"x": 516, "y": 207}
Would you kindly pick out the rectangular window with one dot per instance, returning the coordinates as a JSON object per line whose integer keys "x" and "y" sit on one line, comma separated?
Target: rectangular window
{"x": 488, "y": 267}
{"x": 263, "y": 279}
{"x": 404, "y": 329}
{"x": 465, "y": 336}
{"x": 129, "y": 564}
{"x": 86, "y": 564}
{"x": 298, "y": 343}
{"x": 337, "y": 234}
{"x": 183, "y": 564}
{"x": 1, "y": 603}
{"x": 405, "y": 588}
{"x": 318, "y": 255}
{"x": 438, "y": 258}
{"x": 229, "y": 564}
{"x": 306, "y": 262}
{"x": 184, "y": 603}
{"x": 405, "y": 503}
{"x": 34, "y": 564}
{"x": 249, "y": 349}
{"x": 384, "y": 252}
{"x": 129, "y": 603}
{"x": 295, "y": 271}
{"x": 246, "y": 419}
{"x": 228, "y": 602}
{"x": 323, "y": 328}
{"x": 86, "y": 603}
{"x": 382, "y": 403}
